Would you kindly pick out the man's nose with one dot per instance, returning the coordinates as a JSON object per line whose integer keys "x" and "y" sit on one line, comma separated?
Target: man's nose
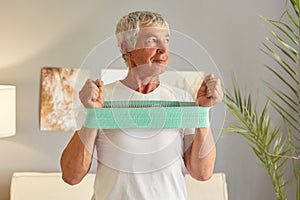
{"x": 162, "y": 47}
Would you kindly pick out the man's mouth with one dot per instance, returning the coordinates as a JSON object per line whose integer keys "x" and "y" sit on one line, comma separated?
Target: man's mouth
{"x": 159, "y": 61}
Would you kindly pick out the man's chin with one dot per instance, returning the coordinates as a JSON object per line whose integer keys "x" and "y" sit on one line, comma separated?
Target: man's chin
{"x": 151, "y": 70}
{"x": 159, "y": 69}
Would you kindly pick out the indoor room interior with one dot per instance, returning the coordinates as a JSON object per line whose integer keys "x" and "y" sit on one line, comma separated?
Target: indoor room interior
{"x": 40, "y": 37}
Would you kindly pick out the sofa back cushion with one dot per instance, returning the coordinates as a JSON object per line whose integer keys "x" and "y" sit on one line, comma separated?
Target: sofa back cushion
{"x": 50, "y": 186}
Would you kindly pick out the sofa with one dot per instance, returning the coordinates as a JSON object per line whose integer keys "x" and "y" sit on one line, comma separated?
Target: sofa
{"x": 50, "y": 186}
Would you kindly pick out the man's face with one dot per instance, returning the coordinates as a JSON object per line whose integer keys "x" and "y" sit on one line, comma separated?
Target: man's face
{"x": 151, "y": 53}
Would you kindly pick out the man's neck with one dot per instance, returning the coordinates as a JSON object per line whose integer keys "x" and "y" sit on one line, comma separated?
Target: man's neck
{"x": 141, "y": 84}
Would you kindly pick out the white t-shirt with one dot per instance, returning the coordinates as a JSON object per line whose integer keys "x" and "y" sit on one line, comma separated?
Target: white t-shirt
{"x": 141, "y": 164}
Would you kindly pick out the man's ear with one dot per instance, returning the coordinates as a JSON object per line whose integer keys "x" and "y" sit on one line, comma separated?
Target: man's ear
{"x": 124, "y": 48}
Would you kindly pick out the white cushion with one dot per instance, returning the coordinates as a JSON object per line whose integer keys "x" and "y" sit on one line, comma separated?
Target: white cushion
{"x": 213, "y": 189}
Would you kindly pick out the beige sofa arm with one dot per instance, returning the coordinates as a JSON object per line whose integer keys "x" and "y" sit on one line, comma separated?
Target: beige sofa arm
{"x": 48, "y": 186}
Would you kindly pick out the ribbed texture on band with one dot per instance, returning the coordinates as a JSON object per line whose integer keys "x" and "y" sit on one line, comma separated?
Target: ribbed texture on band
{"x": 147, "y": 114}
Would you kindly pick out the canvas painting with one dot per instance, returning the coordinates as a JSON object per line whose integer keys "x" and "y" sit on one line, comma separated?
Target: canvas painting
{"x": 59, "y": 92}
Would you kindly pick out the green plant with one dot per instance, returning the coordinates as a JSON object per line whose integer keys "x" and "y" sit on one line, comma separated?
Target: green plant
{"x": 283, "y": 48}
{"x": 266, "y": 141}
{"x": 275, "y": 147}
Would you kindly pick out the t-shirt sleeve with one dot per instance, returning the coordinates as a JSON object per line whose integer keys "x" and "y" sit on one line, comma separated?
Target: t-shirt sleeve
{"x": 189, "y": 131}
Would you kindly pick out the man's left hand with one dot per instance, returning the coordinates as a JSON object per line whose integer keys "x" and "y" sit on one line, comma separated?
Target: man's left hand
{"x": 210, "y": 92}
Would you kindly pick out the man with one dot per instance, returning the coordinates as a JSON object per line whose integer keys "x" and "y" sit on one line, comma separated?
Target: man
{"x": 141, "y": 163}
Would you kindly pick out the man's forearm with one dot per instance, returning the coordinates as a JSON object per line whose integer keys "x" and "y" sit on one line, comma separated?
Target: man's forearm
{"x": 201, "y": 155}
{"x": 77, "y": 156}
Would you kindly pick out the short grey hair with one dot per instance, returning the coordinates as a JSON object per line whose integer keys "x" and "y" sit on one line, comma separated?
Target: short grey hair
{"x": 128, "y": 26}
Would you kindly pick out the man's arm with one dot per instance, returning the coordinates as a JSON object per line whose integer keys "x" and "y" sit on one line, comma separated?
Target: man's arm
{"x": 76, "y": 159}
{"x": 200, "y": 155}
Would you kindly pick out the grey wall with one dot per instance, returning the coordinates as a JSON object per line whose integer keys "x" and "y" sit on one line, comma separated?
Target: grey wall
{"x": 37, "y": 33}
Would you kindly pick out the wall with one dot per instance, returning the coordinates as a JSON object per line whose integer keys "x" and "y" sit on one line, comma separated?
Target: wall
{"x": 37, "y": 33}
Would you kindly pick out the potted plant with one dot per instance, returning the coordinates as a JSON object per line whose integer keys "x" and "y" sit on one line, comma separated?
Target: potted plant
{"x": 275, "y": 146}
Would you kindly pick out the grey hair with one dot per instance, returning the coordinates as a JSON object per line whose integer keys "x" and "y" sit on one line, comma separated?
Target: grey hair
{"x": 128, "y": 26}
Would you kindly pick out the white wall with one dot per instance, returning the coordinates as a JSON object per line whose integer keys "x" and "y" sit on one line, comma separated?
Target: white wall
{"x": 37, "y": 33}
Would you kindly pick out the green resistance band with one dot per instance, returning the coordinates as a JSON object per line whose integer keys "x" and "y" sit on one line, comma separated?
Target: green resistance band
{"x": 147, "y": 114}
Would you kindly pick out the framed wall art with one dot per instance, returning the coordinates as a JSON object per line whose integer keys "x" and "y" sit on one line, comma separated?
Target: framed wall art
{"x": 59, "y": 98}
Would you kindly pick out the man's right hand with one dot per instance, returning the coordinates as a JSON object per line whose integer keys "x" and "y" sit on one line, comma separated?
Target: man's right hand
{"x": 92, "y": 94}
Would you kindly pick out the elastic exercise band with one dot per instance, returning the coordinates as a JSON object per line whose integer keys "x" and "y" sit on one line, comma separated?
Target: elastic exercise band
{"x": 147, "y": 114}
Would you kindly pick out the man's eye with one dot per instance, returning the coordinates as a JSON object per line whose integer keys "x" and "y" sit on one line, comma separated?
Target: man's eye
{"x": 152, "y": 40}
{"x": 167, "y": 40}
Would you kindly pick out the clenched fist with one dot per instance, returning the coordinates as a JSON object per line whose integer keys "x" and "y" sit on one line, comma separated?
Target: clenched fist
{"x": 92, "y": 94}
{"x": 210, "y": 92}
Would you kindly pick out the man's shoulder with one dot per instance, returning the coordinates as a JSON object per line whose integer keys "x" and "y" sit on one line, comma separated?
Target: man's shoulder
{"x": 111, "y": 85}
{"x": 113, "y": 90}
{"x": 174, "y": 88}
{"x": 179, "y": 92}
